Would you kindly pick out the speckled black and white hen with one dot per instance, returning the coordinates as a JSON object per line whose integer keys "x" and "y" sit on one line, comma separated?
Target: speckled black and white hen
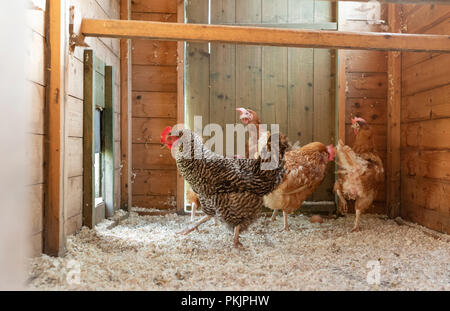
{"x": 230, "y": 188}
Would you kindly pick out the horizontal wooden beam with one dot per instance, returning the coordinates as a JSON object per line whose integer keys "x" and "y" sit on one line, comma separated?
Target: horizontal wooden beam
{"x": 401, "y": 1}
{"x": 266, "y": 36}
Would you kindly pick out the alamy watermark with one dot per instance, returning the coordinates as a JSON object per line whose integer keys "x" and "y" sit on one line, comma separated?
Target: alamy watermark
{"x": 235, "y": 143}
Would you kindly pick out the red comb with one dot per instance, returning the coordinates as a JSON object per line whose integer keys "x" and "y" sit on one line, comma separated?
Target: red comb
{"x": 358, "y": 119}
{"x": 164, "y": 134}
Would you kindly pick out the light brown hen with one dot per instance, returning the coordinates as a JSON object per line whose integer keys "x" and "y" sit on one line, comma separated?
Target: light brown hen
{"x": 361, "y": 172}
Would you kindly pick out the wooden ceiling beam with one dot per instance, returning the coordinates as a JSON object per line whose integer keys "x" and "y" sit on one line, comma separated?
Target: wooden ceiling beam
{"x": 265, "y": 36}
{"x": 400, "y": 1}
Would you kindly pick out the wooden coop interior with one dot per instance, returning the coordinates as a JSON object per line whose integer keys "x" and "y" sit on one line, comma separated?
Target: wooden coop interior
{"x": 309, "y": 66}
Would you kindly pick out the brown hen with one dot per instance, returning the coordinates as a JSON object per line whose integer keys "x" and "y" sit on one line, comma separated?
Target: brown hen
{"x": 361, "y": 172}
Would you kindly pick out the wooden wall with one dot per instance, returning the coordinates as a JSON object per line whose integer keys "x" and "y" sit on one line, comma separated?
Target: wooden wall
{"x": 292, "y": 87}
{"x": 366, "y": 79}
{"x": 154, "y": 106}
{"x": 107, "y": 50}
{"x": 425, "y": 123}
{"x": 35, "y": 149}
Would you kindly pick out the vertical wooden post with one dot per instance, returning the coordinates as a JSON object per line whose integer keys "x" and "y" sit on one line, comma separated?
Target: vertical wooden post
{"x": 342, "y": 82}
{"x": 342, "y": 95}
{"x": 108, "y": 119}
{"x": 180, "y": 100}
{"x": 53, "y": 215}
{"x": 393, "y": 122}
{"x": 125, "y": 112}
{"x": 88, "y": 139}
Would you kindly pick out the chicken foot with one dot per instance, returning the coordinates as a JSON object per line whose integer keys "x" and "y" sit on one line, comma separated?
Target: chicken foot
{"x": 194, "y": 227}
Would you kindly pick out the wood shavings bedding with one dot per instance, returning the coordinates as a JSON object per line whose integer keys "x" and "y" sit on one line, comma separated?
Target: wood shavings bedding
{"x": 144, "y": 253}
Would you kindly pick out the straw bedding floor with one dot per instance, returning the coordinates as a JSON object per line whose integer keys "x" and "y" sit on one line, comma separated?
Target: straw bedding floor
{"x": 144, "y": 253}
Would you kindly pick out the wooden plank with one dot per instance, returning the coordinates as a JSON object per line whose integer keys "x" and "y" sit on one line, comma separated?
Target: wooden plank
{"x": 102, "y": 46}
{"x": 53, "y": 235}
{"x": 72, "y": 225}
{"x": 74, "y": 117}
{"x": 109, "y": 139}
{"x": 370, "y": 85}
{"x": 35, "y": 59}
{"x": 301, "y": 11}
{"x": 426, "y": 17}
{"x": 111, "y": 7}
{"x": 431, "y": 104}
{"x": 99, "y": 91}
{"x": 324, "y": 11}
{"x": 152, "y": 156}
{"x": 393, "y": 122}
{"x": 426, "y": 75}
{"x": 75, "y": 197}
{"x": 373, "y": 110}
{"x": 154, "y": 78}
{"x": 125, "y": 112}
{"x": 409, "y": 59}
{"x": 148, "y": 52}
{"x": 342, "y": 95}
{"x": 74, "y": 153}
{"x": 75, "y": 74}
{"x": 426, "y": 194}
{"x": 35, "y": 203}
{"x": 36, "y": 114}
{"x": 300, "y": 98}
{"x": 180, "y": 101}
{"x": 324, "y": 113}
{"x": 157, "y": 17}
{"x": 88, "y": 139}
{"x": 155, "y": 104}
{"x": 249, "y": 61}
{"x": 300, "y": 79}
{"x": 144, "y": 183}
{"x": 274, "y": 108}
{"x": 222, "y": 70}
{"x": 398, "y": 1}
{"x": 428, "y": 164}
{"x": 197, "y": 68}
{"x": 426, "y": 202}
{"x": 148, "y": 130}
{"x": 264, "y": 36}
{"x": 157, "y": 6}
{"x": 155, "y": 201}
{"x": 426, "y": 135}
{"x": 35, "y": 159}
{"x": 366, "y": 61}
{"x": 36, "y": 21}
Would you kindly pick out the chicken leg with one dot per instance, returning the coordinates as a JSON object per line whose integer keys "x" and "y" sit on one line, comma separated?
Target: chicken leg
{"x": 362, "y": 204}
{"x": 356, "y": 227}
{"x": 286, "y": 225}
{"x": 274, "y": 215}
{"x": 236, "y": 236}
{"x": 193, "y": 208}
{"x": 189, "y": 230}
